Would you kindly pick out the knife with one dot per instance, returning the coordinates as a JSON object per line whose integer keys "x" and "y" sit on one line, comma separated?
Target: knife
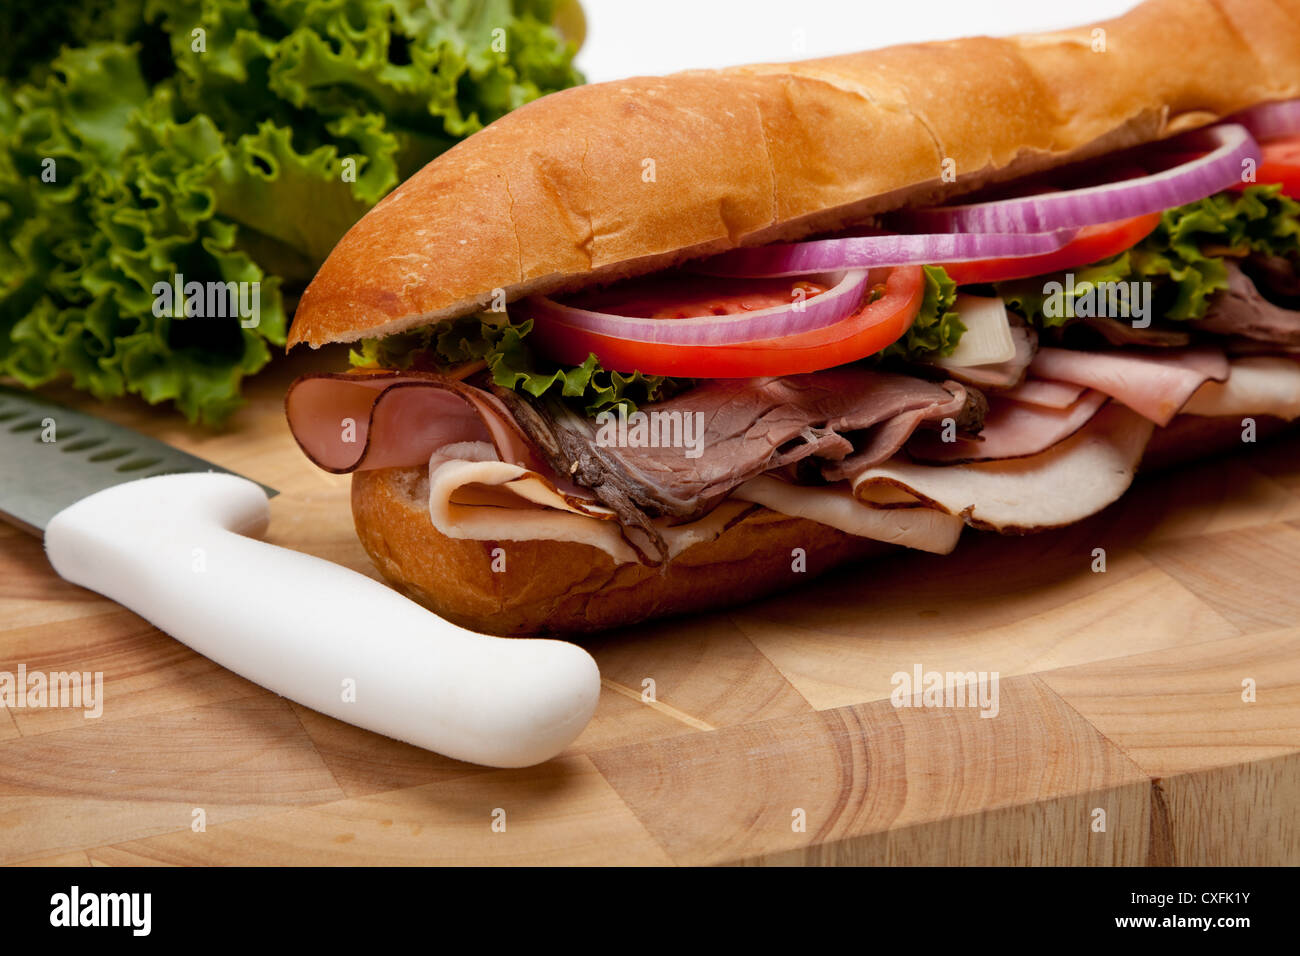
{"x": 166, "y": 534}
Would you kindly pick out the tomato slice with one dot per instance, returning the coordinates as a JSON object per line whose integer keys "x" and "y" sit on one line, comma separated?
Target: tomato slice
{"x": 873, "y": 327}
{"x": 1279, "y": 162}
{"x": 684, "y": 295}
{"x": 1092, "y": 244}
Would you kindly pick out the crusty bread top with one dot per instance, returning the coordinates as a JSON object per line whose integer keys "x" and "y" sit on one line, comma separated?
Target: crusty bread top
{"x": 559, "y": 193}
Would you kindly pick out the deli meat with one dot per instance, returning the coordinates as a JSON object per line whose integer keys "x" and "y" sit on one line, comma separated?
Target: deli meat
{"x": 1039, "y": 391}
{"x": 1011, "y": 430}
{"x": 1124, "y": 333}
{"x": 1155, "y": 384}
{"x": 746, "y": 427}
{"x": 1241, "y": 311}
{"x": 967, "y": 409}
{"x": 348, "y": 422}
{"x": 1067, "y": 483}
{"x": 1280, "y": 275}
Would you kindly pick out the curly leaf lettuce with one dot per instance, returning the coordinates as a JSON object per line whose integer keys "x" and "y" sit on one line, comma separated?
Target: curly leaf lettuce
{"x": 225, "y": 140}
{"x": 499, "y": 343}
{"x": 1184, "y": 258}
{"x": 937, "y": 329}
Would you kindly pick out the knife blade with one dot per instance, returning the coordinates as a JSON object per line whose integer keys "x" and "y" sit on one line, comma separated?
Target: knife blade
{"x": 167, "y": 535}
{"x": 52, "y": 455}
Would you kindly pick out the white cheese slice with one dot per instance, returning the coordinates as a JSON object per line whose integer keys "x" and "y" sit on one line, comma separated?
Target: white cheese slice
{"x": 987, "y": 339}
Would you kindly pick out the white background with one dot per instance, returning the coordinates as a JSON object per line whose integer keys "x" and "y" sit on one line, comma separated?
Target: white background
{"x": 638, "y": 37}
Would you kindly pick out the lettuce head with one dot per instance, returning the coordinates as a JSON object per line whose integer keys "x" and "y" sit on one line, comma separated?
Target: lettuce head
{"x": 229, "y": 141}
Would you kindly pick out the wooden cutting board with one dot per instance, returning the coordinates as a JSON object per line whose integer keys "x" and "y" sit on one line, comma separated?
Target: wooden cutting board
{"x": 1120, "y": 705}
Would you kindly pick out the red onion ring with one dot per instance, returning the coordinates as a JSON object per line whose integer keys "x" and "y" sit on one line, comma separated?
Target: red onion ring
{"x": 865, "y": 252}
{"x": 836, "y": 303}
{"x": 1271, "y": 120}
{"x": 1048, "y": 212}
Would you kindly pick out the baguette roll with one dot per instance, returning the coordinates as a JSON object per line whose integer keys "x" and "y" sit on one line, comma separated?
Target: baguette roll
{"x": 617, "y": 179}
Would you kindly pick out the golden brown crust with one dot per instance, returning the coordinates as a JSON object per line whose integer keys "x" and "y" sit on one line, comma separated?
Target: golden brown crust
{"x": 553, "y": 195}
{"x": 566, "y": 588}
{"x": 563, "y": 587}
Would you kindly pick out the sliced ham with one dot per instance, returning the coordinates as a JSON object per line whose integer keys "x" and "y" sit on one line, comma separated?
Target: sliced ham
{"x": 1241, "y": 311}
{"x": 1011, "y": 430}
{"x": 1049, "y": 394}
{"x": 347, "y": 422}
{"x": 1154, "y": 384}
{"x": 1065, "y": 484}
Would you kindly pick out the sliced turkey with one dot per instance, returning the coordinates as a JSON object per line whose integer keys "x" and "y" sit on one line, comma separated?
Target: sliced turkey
{"x": 924, "y": 529}
{"x": 1258, "y": 385}
{"x": 1065, "y": 484}
{"x": 475, "y": 496}
{"x": 1011, "y": 430}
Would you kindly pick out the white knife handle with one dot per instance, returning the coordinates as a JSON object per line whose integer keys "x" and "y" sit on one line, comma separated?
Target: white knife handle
{"x": 172, "y": 549}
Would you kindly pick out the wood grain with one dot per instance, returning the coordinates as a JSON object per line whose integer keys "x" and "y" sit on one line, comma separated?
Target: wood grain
{"x": 705, "y": 672}
{"x": 70, "y": 789}
{"x": 1249, "y": 575}
{"x": 564, "y": 811}
{"x": 1119, "y": 690}
{"x": 1181, "y": 711}
{"x": 941, "y": 613}
{"x": 8, "y": 728}
{"x": 75, "y": 858}
{"x": 144, "y": 670}
{"x": 860, "y": 773}
{"x": 1242, "y": 815}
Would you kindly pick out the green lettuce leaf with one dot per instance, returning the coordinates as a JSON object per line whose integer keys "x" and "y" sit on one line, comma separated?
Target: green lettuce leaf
{"x": 225, "y": 140}
{"x": 937, "y": 328}
{"x": 495, "y": 340}
{"x": 1027, "y": 297}
{"x": 1184, "y": 258}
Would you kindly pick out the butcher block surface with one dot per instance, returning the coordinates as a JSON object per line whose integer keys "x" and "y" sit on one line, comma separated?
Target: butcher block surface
{"x": 763, "y": 734}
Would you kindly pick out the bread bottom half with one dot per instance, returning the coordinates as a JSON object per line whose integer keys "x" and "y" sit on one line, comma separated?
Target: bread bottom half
{"x": 558, "y": 587}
